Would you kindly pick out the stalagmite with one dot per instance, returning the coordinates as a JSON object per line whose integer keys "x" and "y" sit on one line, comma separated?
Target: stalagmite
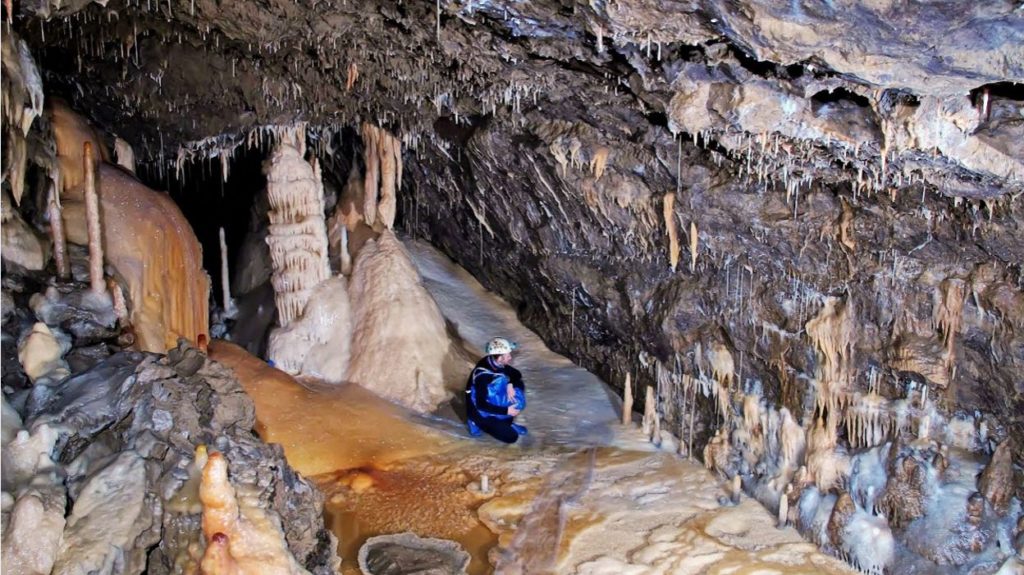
{"x": 673, "y": 233}
{"x": 693, "y": 246}
{"x": 298, "y": 234}
{"x": 650, "y": 414}
{"x": 783, "y": 515}
{"x": 388, "y": 204}
{"x": 627, "y": 401}
{"x": 229, "y": 303}
{"x": 393, "y": 313}
{"x": 996, "y": 481}
{"x": 318, "y": 342}
{"x": 120, "y": 305}
{"x": 147, "y": 240}
{"x": 60, "y": 245}
{"x": 92, "y": 217}
{"x": 241, "y": 536}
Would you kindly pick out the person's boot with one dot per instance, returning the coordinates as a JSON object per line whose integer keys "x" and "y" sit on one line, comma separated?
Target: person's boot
{"x": 521, "y": 430}
{"x": 474, "y": 429}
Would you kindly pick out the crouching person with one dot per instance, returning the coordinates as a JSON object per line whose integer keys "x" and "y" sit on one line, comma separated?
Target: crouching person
{"x": 495, "y": 394}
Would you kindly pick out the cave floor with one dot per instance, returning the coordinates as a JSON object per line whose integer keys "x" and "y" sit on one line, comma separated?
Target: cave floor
{"x": 583, "y": 494}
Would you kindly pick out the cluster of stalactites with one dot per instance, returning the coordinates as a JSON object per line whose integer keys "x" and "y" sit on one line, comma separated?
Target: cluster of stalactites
{"x": 22, "y": 103}
{"x": 298, "y": 234}
{"x": 382, "y": 153}
{"x": 833, "y": 332}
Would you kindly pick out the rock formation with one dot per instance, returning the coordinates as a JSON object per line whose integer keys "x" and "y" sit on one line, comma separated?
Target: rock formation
{"x": 398, "y": 335}
{"x": 298, "y": 234}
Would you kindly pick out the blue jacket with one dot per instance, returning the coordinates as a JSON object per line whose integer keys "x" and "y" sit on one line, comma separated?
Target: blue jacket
{"x": 487, "y": 389}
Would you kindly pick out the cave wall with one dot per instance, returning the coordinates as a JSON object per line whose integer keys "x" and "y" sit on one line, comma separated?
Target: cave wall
{"x": 586, "y": 261}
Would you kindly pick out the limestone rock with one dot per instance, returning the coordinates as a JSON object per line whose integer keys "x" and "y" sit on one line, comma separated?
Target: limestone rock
{"x": 113, "y": 522}
{"x": 996, "y": 482}
{"x": 41, "y": 354}
{"x": 22, "y": 244}
{"x": 87, "y": 316}
{"x": 32, "y": 534}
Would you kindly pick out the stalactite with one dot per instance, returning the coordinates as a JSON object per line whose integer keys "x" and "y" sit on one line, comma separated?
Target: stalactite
{"x": 846, "y": 226}
{"x": 833, "y": 332}
{"x": 353, "y": 75}
{"x": 598, "y": 162}
{"x": 627, "y": 401}
{"x": 947, "y": 317}
{"x": 125, "y": 155}
{"x": 693, "y": 247}
{"x": 673, "y": 233}
{"x": 92, "y": 216}
{"x": 371, "y": 182}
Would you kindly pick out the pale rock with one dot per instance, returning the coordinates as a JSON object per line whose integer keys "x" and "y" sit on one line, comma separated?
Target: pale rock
{"x": 33, "y": 531}
{"x": 317, "y": 343}
{"x": 40, "y": 354}
{"x": 109, "y": 516}
{"x": 399, "y": 340}
{"x": 21, "y": 244}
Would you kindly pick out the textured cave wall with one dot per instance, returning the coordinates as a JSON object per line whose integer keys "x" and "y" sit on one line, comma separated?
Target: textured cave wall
{"x": 586, "y": 261}
{"x": 783, "y": 114}
{"x": 888, "y": 91}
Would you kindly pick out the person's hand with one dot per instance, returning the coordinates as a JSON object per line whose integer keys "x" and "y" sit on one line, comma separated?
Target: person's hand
{"x": 513, "y": 410}
{"x": 511, "y": 393}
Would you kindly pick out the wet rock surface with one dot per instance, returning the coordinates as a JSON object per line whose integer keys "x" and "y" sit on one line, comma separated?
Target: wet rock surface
{"x": 121, "y": 436}
{"x": 407, "y": 553}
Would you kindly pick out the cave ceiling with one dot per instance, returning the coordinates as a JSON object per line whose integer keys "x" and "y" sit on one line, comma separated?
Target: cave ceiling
{"x": 881, "y": 94}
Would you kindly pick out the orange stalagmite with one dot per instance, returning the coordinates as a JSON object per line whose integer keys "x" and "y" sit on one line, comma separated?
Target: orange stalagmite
{"x": 241, "y": 537}
{"x": 147, "y": 241}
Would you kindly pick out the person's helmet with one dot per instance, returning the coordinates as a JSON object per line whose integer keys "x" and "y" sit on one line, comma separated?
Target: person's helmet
{"x": 500, "y": 346}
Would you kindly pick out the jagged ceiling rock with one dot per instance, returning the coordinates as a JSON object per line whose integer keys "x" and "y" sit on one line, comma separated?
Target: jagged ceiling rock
{"x": 896, "y": 93}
